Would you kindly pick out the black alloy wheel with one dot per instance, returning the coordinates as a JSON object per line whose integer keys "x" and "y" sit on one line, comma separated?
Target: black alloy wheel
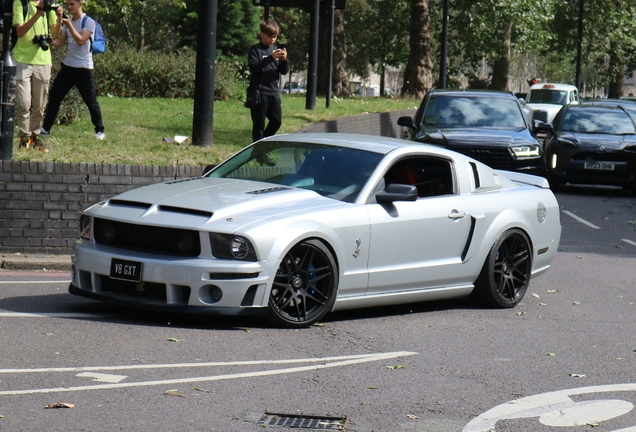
{"x": 505, "y": 277}
{"x": 305, "y": 285}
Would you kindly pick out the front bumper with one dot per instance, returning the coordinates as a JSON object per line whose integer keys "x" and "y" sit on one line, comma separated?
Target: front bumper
{"x": 569, "y": 166}
{"x": 173, "y": 284}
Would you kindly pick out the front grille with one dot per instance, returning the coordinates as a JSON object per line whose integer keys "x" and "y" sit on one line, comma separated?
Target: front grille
{"x": 494, "y": 158}
{"x": 139, "y": 290}
{"x": 602, "y": 156}
{"x": 150, "y": 239}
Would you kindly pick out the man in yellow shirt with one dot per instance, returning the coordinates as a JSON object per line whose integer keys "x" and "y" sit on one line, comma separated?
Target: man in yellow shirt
{"x": 33, "y": 65}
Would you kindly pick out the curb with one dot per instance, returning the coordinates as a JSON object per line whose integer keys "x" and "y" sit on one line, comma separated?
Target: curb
{"x": 34, "y": 262}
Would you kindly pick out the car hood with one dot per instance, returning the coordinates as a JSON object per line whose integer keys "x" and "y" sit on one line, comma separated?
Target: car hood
{"x": 551, "y": 108}
{"x": 478, "y": 137}
{"x": 202, "y": 201}
{"x": 613, "y": 142}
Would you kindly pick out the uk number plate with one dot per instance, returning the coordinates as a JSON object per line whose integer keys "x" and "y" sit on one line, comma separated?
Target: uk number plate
{"x": 603, "y": 166}
{"x": 125, "y": 270}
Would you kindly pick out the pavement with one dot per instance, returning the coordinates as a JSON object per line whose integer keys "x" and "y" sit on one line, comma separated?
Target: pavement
{"x": 35, "y": 262}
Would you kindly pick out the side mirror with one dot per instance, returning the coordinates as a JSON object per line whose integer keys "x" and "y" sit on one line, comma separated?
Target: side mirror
{"x": 397, "y": 192}
{"x": 406, "y": 121}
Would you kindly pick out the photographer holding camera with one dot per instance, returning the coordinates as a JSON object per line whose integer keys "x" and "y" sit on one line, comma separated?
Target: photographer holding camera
{"x": 34, "y": 25}
{"x": 77, "y": 68}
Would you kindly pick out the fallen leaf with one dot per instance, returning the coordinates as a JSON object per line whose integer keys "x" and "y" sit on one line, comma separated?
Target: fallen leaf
{"x": 591, "y": 424}
{"x": 319, "y": 325}
{"x": 412, "y": 417}
{"x": 396, "y": 367}
{"x": 1, "y": 416}
{"x": 201, "y": 390}
{"x": 543, "y": 304}
{"x": 580, "y": 257}
{"x": 174, "y": 340}
{"x": 553, "y": 291}
{"x": 620, "y": 358}
{"x": 362, "y": 403}
{"x": 574, "y": 375}
{"x": 372, "y": 388}
{"x": 552, "y": 354}
{"x": 173, "y": 393}
{"x": 59, "y": 405}
{"x": 577, "y": 303}
{"x": 535, "y": 295}
{"x": 521, "y": 313}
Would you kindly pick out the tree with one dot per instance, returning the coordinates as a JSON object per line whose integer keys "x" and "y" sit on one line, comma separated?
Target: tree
{"x": 494, "y": 29}
{"x": 417, "y": 74}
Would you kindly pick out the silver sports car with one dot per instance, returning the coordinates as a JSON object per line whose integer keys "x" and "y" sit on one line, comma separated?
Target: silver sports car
{"x": 296, "y": 226}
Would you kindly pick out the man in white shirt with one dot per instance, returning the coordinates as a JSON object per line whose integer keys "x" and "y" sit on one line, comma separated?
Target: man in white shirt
{"x": 77, "y": 68}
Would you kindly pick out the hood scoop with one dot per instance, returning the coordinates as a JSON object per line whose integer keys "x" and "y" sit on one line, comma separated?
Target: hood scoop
{"x": 267, "y": 190}
{"x": 134, "y": 204}
{"x": 181, "y": 210}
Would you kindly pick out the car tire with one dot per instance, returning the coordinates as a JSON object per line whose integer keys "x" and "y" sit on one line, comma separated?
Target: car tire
{"x": 305, "y": 285}
{"x": 505, "y": 277}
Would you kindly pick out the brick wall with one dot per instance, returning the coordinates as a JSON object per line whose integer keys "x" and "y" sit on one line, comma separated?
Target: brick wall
{"x": 40, "y": 202}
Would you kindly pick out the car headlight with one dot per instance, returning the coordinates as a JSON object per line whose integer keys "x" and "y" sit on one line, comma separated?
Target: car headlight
{"x": 85, "y": 227}
{"x": 230, "y": 246}
{"x": 106, "y": 231}
{"x": 527, "y": 151}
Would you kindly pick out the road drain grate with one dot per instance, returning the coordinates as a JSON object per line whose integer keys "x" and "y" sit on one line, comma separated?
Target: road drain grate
{"x": 303, "y": 421}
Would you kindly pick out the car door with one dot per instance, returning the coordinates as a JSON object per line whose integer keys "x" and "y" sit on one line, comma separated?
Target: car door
{"x": 418, "y": 244}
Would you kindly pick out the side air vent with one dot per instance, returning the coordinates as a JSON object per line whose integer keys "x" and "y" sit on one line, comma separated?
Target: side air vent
{"x": 268, "y": 190}
{"x": 181, "y": 210}
{"x": 182, "y": 180}
{"x": 124, "y": 203}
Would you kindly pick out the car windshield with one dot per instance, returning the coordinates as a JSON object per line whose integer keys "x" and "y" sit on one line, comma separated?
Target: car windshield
{"x": 596, "y": 121}
{"x": 556, "y": 97}
{"x": 483, "y": 111}
{"x": 332, "y": 171}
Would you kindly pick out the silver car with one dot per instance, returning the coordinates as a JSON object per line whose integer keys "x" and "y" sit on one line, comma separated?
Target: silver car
{"x": 296, "y": 226}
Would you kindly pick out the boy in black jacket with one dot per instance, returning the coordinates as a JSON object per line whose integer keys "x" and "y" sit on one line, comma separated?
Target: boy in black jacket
{"x": 266, "y": 62}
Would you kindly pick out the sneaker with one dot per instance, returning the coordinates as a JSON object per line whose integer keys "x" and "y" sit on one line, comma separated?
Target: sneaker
{"x": 25, "y": 142}
{"x": 37, "y": 144}
{"x": 101, "y": 136}
{"x": 44, "y": 132}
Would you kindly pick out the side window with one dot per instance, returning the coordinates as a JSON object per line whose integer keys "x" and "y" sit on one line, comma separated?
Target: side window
{"x": 432, "y": 176}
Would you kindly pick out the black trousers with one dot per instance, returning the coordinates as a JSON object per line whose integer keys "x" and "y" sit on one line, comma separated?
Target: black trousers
{"x": 270, "y": 109}
{"x": 66, "y": 78}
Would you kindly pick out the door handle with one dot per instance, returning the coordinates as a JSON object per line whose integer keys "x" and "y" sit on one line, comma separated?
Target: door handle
{"x": 456, "y": 215}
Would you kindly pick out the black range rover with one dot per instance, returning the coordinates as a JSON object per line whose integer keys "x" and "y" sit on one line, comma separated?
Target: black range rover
{"x": 489, "y": 126}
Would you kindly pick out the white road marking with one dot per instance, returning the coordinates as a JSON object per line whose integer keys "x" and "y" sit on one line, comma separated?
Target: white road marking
{"x": 633, "y": 243}
{"x": 50, "y": 315}
{"x": 36, "y": 282}
{"x": 103, "y": 377}
{"x": 558, "y": 409}
{"x": 327, "y": 362}
{"x": 583, "y": 221}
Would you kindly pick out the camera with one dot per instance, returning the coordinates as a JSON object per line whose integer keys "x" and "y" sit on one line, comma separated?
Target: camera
{"x": 49, "y": 5}
{"x": 64, "y": 15}
{"x": 43, "y": 41}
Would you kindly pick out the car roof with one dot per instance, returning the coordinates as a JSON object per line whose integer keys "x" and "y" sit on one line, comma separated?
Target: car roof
{"x": 371, "y": 143}
{"x": 473, "y": 92}
{"x": 553, "y": 86}
{"x": 594, "y": 106}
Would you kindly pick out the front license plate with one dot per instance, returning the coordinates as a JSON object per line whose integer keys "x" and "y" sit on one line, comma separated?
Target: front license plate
{"x": 603, "y": 166}
{"x": 125, "y": 270}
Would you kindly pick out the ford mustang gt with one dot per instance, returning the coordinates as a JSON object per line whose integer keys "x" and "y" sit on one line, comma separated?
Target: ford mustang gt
{"x": 296, "y": 226}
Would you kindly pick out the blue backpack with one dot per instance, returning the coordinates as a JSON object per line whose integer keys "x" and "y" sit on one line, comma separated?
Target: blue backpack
{"x": 98, "y": 41}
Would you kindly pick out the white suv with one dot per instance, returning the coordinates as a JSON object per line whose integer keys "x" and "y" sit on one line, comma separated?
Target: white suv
{"x": 544, "y": 101}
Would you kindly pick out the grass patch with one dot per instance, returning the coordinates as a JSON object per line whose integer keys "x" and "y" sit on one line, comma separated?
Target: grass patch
{"x": 135, "y": 129}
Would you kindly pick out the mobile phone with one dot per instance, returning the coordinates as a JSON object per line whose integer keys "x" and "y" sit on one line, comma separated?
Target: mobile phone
{"x": 282, "y": 46}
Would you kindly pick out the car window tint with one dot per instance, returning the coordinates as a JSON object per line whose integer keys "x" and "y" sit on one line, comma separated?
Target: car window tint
{"x": 432, "y": 176}
{"x": 601, "y": 122}
{"x": 483, "y": 111}
{"x": 335, "y": 172}
{"x": 557, "y": 97}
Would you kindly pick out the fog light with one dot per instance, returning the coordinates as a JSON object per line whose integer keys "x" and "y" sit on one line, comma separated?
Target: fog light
{"x": 106, "y": 231}
{"x": 215, "y": 294}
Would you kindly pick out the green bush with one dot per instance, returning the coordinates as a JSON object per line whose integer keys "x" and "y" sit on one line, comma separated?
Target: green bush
{"x": 126, "y": 72}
